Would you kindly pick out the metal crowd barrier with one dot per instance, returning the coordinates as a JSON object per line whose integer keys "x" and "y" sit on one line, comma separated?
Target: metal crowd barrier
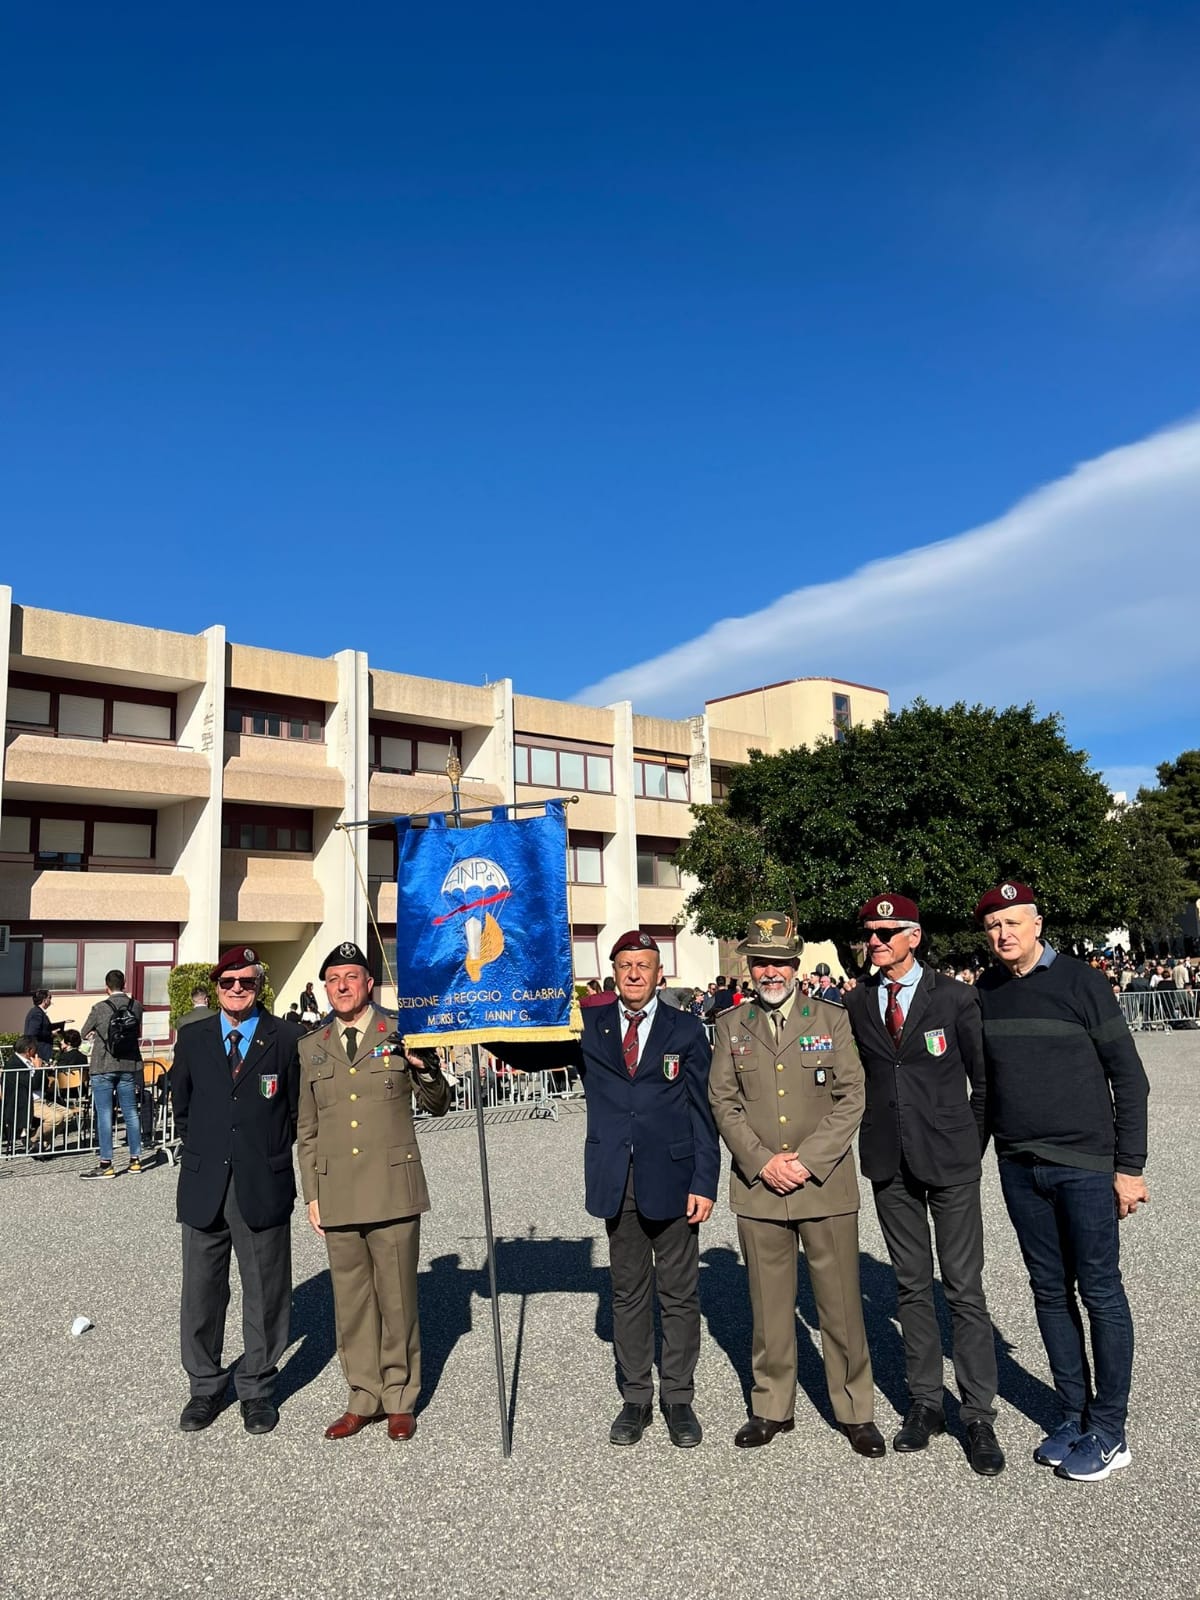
{"x": 502, "y": 1088}
{"x": 48, "y": 1111}
{"x": 1155, "y": 1010}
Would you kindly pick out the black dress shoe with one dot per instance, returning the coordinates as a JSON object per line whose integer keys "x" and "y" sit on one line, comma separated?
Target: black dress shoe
{"x": 921, "y": 1423}
{"x": 760, "y": 1430}
{"x": 259, "y": 1416}
{"x": 683, "y": 1425}
{"x": 630, "y": 1424}
{"x": 200, "y": 1410}
{"x": 865, "y": 1438}
{"x": 983, "y": 1450}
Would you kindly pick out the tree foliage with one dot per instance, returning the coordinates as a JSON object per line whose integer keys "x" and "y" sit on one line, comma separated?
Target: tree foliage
{"x": 1155, "y": 883}
{"x": 1174, "y": 809}
{"x": 191, "y": 975}
{"x": 936, "y": 803}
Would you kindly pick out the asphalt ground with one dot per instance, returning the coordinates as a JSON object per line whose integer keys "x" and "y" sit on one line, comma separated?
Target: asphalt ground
{"x": 103, "y": 1495}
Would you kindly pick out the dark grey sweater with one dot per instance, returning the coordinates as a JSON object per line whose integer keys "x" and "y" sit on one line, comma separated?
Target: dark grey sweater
{"x": 1065, "y": 1081}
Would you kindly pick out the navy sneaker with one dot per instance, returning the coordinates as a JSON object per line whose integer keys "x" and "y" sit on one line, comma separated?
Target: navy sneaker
{"x": 1057, "y": 1446}
{"x": 1092, "y": 1460}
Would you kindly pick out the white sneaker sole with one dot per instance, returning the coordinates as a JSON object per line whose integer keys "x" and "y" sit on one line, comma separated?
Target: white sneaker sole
{"x": 1121, "y": 1459}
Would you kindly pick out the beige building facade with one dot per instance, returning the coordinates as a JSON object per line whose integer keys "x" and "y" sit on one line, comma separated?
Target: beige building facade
{"x": 166, "y": 795}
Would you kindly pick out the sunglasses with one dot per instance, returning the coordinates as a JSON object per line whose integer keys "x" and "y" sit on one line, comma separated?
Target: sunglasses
{"x": 236, "y": 983}
{"x": 885, "y": 935}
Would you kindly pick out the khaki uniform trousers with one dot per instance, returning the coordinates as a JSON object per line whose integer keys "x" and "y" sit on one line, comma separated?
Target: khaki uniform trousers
{"x": 830, "y": 1246}
{"x": 373, "y": 1269}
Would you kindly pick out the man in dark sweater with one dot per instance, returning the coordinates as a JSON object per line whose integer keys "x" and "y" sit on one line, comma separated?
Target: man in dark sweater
{"x": 1067, "y": 1109}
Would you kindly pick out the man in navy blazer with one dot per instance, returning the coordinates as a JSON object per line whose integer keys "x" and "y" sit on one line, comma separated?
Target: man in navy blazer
{"x": 651, "y": 1164}
{"x": 235, "y": 1085}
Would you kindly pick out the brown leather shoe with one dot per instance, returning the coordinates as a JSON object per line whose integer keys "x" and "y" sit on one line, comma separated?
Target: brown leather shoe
{"x": 865, "y": 1438}
{"x": 401, "y": 1424}
{"x": 348, "y": 1424}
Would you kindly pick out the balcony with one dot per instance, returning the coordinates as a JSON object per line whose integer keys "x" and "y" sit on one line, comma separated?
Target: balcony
{"x": 101, "y": 894}
{"x": 280, "y": 772}
{"x": 274, "y": 888}
{"x": 38, "y": 766}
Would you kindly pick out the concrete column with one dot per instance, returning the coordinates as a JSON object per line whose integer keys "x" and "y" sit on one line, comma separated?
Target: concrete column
{"x": 201, "y": 723}
{"x": 620, "y": 854}
{"x": 696, "y": 954}
{"x": 5, "y": 647}
{"x": 348, "y": 745}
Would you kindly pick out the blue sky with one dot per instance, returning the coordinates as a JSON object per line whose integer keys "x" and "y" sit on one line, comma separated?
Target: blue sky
{"x": 543, "y": 341}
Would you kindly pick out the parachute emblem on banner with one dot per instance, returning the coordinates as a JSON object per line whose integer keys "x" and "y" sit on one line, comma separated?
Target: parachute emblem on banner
{"x": 483, "y": 885}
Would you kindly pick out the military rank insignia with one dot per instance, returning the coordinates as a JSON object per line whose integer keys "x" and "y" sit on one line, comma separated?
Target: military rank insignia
{"x": 816, "y": 1041}
{"x": 268, "y": 1085}
{"x": 935, "y": 1041}
{"x": 670, "y": 1068}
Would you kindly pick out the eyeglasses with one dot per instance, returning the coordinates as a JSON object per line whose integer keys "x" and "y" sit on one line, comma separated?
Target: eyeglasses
{"x": 236, "y": 983}
{"x": 884, "y": 935}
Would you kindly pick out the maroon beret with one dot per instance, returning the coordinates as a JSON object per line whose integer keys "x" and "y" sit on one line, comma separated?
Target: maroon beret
{"x": 890, "y": 908}
{"x": 1008, "y": 893}
{"x": 635, "y": 939}
{"x": 242, "y": 956}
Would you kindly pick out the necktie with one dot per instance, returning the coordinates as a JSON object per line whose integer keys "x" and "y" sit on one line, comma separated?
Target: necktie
{"x": 777, "y": 1024}
{"x": 893, "y": 1016}
{"x": 235, "y": 1053}
{"x": 350, "y": 1043}
{"x": 630, "y": 1042}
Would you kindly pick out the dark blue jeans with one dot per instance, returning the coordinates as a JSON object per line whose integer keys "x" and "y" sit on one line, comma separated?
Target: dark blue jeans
{"x": 1066, "y": 1222}
{"x": 103, "y": 1085}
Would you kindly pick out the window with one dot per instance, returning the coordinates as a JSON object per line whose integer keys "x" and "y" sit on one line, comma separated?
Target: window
{"x": 584, "y": 954}
{"x": 662, "y": 777}
{"x": 266, "y": 828}
{"x": 398, "y": 747}
{"x": 381, "y": 854}
{"x": 274, "y": 716}
{"x": 664, "y": 938}
{"x": 720, "y": 777}
{"x": 561, "y": 766}
{"x": 585, "y": 858}
{"x": 656, "y": 867}
{"x": 67, "y": 960}
{"x": 65, "y": 839}
{"x": 101, "y": 956}
{"x": 68, "y": 709}
{"x": 841, "y": 716}
{"x": 60, "y": 963}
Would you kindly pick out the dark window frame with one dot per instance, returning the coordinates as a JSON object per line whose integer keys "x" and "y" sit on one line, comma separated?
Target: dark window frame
{"x": 416, "y": 733}
{"x": 583, "y": 839}
{"x": 559, "y": 747}
{"x": 273, "y": 819}
{"x": 86, "y": 689}
{"x": 660, "y": 851}
{"x": 669, "y": 763}
{"x": 842, "y": 720}
{"x": 37, "y": 812}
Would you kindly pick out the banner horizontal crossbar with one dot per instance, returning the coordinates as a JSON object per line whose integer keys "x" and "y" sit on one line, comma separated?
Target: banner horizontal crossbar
{"x": 466, "y": 811}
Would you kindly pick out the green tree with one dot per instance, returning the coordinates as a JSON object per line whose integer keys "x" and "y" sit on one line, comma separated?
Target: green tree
{"x": 937, "y": 803}
{"x": 1174, "y": 808}
{"x": 1156, "y": 885}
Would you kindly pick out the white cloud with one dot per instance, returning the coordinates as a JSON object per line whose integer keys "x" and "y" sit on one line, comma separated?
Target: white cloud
{"x": 1081, "y": 598}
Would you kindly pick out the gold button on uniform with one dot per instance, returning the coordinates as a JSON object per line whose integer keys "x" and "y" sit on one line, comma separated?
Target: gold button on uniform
{"x": 779, "y": 1066}
{"x": 781, "y": 1091}
{"x": 353, "y": 1070}
{"x": 408, "y": 1157}
{"x": 354, "y": 1152}
{"x": 354, "y": 1097}
{"x": 783, "y": 1119}
{"x": 354, "y": 1124}
{"x": 786, "y": 1147}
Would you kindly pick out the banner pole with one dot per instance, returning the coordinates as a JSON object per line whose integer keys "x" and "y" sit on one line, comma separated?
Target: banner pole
{"x": 454, "y": 773}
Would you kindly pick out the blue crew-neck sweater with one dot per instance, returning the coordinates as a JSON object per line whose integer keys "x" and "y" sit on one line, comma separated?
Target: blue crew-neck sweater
{"x": 1065, "y": 1081}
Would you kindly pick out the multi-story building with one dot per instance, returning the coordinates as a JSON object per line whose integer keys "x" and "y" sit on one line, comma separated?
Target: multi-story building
{"x": 166, "y": 795}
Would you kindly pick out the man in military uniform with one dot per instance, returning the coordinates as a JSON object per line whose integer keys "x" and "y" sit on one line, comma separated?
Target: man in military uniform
{"x": 361, "y": 1175}
{"x": 787, "y": 1094}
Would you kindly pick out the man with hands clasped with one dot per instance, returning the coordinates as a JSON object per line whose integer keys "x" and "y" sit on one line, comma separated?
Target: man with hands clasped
{"x": 360, "y": 1168}
{"x": 787, "y": 1093}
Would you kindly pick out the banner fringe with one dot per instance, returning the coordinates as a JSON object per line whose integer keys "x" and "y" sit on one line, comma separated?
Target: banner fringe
{"x": 436, "y": 1041}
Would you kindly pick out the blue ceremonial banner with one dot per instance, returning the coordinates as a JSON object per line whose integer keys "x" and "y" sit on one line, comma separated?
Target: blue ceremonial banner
{"x": 483, "y": 939}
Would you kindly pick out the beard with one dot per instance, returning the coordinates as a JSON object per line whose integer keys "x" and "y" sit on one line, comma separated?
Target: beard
{"x": 774, "y": 992}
